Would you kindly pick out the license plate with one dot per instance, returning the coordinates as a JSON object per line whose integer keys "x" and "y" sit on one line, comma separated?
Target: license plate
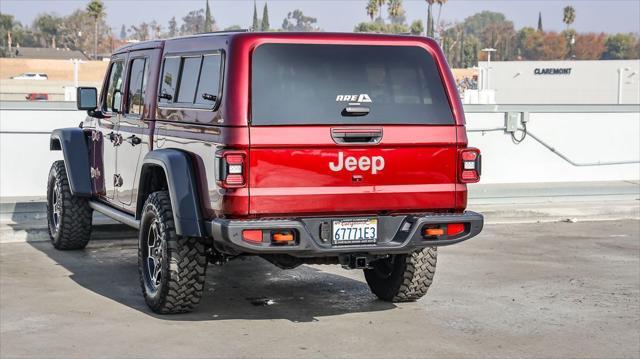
{"x": 355, "y": 231}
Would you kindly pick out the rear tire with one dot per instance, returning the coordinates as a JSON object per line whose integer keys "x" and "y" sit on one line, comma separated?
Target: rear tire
{"x": 68, "y": 217}
{"x": 403, "y": 277}
{"x": 172, "y": 268}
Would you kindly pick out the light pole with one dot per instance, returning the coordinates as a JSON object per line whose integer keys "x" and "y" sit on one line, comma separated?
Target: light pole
{"x": 621, "y": 71}
{"x": 488, "y": 50}
{"x": 76, "y": 63}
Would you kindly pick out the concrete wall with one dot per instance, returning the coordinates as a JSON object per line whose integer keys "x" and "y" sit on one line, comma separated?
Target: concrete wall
{"x": 587, "y": 82}
{"x": 584, "y": 137}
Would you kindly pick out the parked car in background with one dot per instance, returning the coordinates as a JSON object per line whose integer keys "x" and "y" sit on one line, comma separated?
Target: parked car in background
{"x": 31, "y": 76}
{"x": 37, "y": 97}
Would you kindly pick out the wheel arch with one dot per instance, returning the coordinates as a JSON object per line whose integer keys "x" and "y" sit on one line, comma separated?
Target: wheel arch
{"x": 172, "y": 170}
{"x": 75, "y": 151}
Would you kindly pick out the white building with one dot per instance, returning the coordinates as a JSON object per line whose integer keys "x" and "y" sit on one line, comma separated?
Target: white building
{"x": 560, "y": 82}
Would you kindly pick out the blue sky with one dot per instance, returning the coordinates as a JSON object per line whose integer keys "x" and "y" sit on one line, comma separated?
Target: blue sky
{"x": 341, "y": 15}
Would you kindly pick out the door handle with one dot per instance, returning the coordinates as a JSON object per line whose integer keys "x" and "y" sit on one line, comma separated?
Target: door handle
{"x": 370, "y": 136}
{"x": 134, "y": 140}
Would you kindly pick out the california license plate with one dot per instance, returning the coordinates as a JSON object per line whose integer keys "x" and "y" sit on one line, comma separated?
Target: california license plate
{"x": 355, "y": 231}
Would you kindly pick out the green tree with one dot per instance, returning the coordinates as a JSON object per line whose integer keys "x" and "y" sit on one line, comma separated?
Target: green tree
{"x": 255, "y": 26}
{"x": 123, "y": 32}
{"x": 417, "y": 27}
{"x": 140, "y": 32}
{"x": 208, "y": 20}
{"x": 372, "y": 9}
{"x": 265, "y": 18}
{"x": 530, "y": 43}
{"x": 475, "y": 24}
{"x": 430, "y": 17}
{"x": 396, "y": 12}
{"x": 540, "y": 21}
{"x": 48, "y": 26}
{"x": 297, "y": 21}
{"x": 233, "y": 28}
{"x": 381, "y": 28}
{"x": 173, "y": 27}
{"x": 493, "y": 30}
{"x": 11, "y": 34}
{"x": 620, "y": 47}
{"x": 96, "y": 10}
{"x": 74, "y": 29}
{"x": 569, "y": 16}
{"x": 193, "y": 22}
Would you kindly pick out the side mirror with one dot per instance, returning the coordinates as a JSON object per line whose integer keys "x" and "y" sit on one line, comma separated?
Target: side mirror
{"x": 87, "y": 98}
{"x": 117, "y": 98}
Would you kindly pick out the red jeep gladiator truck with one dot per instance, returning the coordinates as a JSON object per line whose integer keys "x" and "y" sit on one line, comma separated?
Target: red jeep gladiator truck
{"x": 299, "y": 148}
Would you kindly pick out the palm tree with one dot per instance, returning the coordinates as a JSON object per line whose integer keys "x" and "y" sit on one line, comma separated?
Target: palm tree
{"x": 372, "y": 8}
{"x": 437, "y": 23}
{"x": 430, "y": 18}
{"x": 440, "y": 2}
{"x": 96, "y": 10}
{"x": 569, "y": 16}
{"x": 395, "y": 7}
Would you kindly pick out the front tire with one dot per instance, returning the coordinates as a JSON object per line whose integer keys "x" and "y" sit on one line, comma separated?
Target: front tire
{"x": 403, "y": 277}
{"x": 68, "y": 217}
{"x": 172, "y": 268}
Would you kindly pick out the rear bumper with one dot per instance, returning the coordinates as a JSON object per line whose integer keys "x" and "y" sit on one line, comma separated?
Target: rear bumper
{"x": 396, "y": 234}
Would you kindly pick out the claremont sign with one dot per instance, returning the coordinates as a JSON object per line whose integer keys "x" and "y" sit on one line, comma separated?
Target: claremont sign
{"x": 552, "y": 71}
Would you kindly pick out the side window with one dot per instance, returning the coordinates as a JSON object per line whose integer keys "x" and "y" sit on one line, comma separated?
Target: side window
{"x": 197, "y": 79}
{"x": 209, "y": 83}
{"x": 114, "y": 89}
{"x": 137, "y": 84}
{"x": 188, "y": 79}
{"x": 169, "y": 79}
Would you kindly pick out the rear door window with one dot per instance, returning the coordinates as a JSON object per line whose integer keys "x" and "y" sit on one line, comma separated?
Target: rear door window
{"x": 314, "y": 84}
{"x": 169, "y": 79}
{"x": 209, "y": 82}
{"x": 189, "y": 79}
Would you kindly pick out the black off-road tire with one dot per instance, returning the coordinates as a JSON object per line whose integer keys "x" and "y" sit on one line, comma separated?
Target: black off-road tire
{"x": 403, "y": 277}
{"x": 68, "y": 217}
{"x": 182, "y": 261}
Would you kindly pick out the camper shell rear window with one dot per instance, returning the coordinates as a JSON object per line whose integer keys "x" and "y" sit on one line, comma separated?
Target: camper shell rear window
{"x": 305, "y": 84}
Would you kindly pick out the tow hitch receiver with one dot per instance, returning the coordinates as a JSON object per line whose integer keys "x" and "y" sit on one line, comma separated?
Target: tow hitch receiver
{"x": 356, "y": 261}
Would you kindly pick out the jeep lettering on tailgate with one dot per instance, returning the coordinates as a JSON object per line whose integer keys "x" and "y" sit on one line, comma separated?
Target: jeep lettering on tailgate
{"x": 364, "y": 163}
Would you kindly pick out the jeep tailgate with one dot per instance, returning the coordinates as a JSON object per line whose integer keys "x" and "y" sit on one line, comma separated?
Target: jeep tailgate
{"x": 290, "y": 171}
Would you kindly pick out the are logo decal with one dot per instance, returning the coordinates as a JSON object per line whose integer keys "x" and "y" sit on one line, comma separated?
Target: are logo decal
{"x": 364, "y": 163}
{"x": 363, "y": 97}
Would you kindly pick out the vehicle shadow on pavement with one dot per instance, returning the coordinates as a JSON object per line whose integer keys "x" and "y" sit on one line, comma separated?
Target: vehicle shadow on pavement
{"x": 246, "y": 288}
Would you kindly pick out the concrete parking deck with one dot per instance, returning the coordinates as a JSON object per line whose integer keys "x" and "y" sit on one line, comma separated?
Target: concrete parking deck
{"x": 563, "y": 290}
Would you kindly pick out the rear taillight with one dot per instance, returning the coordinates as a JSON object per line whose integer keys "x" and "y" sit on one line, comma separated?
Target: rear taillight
{"x": 470, "y": 165}
{"x": 231, "y": 169}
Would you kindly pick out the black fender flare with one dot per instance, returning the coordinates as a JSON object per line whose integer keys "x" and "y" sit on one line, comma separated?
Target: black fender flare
{"x": 75, "y": 151}
{"x": 183, "y": 190}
